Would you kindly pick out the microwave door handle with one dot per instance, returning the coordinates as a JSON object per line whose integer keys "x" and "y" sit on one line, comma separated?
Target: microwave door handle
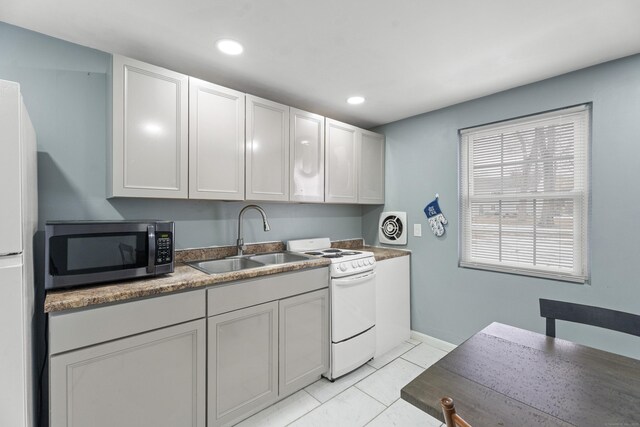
{"x": 151, "y": 236}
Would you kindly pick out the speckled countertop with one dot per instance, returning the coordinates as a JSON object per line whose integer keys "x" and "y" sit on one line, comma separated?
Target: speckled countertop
{"x": 386, "y": 253}
{"x": 186, "y": 277}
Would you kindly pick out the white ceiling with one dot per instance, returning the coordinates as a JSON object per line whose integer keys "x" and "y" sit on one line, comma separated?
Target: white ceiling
{"x": 405, "y": 56}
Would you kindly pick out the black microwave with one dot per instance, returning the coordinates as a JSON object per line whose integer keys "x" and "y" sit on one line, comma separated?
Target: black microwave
{"x": 80, "y": 253}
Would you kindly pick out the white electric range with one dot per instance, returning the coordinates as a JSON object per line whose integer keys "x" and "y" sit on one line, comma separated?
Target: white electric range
{"x": 353, "y": 306}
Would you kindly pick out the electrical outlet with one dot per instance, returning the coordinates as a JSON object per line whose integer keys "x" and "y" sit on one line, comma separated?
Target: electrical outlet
{"x": 417, "y": 230}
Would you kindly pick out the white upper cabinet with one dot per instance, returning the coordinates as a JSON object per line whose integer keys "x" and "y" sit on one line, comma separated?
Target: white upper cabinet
{"x": 216, "y": 142}
{"x": 307, "y": 156}
{"x": 371, "y": 169}
{"x": 267, "y": 150}
{"x": 174, "y": 136}
{"x": 341, "y": 162}
{"x": 149, "y": 134}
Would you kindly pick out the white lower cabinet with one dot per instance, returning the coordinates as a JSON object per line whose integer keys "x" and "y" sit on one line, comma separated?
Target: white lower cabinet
{"x": 161, "y": 362}
{"x": 138, "y": 363}
{"x": 243, "y": 351}
{"x": 262, "y": 353}
{"x": 151, "y": 379}
{"x": 393, "y": 323}
{"x": 304, "y": 340}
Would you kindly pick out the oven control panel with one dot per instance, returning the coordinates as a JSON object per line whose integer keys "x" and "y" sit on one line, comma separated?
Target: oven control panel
{"x": 353, "y": 266}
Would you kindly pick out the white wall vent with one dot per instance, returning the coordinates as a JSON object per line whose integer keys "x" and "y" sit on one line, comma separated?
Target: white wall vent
{"x": 392, "y": 229}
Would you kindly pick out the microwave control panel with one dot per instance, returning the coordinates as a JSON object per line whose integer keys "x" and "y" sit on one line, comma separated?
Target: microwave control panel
{"x": 164, "y": 247}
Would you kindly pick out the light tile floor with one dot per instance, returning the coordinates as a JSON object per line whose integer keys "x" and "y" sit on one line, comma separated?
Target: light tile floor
{"x": 368, "y": 396}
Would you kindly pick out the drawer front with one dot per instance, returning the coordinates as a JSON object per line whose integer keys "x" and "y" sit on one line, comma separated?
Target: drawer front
{"x": 237, "y": 295}
{"x": 81, "y": 328}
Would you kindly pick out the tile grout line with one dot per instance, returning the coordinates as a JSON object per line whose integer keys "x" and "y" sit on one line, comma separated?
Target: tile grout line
{"x": 395, "y": 358}
{"x": 373, "y": 419}
{"x": 362, "y": 379}
{"x": 312, "y": 396}
{"x": 414, "y": 363}
{"x": 374, "y": 398}
{"x": 321, "y": 404}
{"x": 374, "y": 370}
{"x": 445, "y": 353}
{"x": 308, "y": 412}
{"x": 383, "y": 404}
{"x": 323, "y": 378}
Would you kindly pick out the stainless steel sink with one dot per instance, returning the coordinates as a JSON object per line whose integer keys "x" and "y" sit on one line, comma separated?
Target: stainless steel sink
{"x": 237, "y": 263}
{"x": 225, "y": 265}
{"x": 279, "y": 258}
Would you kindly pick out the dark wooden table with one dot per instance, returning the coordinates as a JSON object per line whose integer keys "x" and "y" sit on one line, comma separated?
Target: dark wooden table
{"x": 506, "y": 376}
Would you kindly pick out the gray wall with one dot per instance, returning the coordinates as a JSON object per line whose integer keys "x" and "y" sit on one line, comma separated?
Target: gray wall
{"x": 452, "y": 303}
{"x": 65, "y": 89}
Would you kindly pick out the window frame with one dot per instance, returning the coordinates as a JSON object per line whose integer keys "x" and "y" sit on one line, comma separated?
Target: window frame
{"x": 581, "y": 217}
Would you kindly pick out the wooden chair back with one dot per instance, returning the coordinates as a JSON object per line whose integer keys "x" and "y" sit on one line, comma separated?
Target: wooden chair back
{"x": 588, "y": 315}
{"x": 451, "y": 418}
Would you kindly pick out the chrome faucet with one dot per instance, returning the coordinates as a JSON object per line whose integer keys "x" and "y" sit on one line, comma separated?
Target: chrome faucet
{"x": 240, "y": 242}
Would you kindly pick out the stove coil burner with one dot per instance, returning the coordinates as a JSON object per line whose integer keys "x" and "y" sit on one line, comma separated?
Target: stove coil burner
{"x": 332, "y": 256}
{"x": 332, "y": 251}
{"x": 350, "y": 253}
{"x": 313, "y": 253}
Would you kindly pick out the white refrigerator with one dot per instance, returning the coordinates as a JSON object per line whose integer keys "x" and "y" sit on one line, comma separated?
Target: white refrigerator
{"x": 18, "y": 223}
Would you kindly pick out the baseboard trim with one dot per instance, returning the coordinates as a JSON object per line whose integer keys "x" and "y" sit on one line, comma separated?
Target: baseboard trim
{"x": 435, "y": 342}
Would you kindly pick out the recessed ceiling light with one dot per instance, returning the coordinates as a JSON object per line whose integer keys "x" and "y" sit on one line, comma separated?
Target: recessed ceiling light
{"x": 230, "y": 47}
{"x": 355, "y": 100}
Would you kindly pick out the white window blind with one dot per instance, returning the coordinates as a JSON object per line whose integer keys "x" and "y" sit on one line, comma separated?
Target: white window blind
{"x": 524, "y": 195}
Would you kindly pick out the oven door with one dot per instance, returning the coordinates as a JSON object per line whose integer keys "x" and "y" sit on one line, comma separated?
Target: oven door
{"x": 353, "y": 305}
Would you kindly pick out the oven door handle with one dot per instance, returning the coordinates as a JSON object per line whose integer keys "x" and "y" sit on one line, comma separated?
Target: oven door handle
{"x": 354, "y": 280}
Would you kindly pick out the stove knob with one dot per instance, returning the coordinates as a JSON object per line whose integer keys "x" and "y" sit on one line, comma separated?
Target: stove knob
{"x": 354, "y": 264}
{"x": 343, "y": 266}
{"x": 360, "y": 262}
{"x": 370, "y": 261}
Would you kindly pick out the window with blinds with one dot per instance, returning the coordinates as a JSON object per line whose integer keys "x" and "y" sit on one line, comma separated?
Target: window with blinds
{"x": 524, "y": 195}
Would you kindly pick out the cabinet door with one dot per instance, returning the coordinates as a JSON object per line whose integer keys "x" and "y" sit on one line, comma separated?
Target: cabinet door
{"x": 149, "y": 134}
{"x": 371, "y": 169}
{"x": 393, "y": 326}
{"x": 341, "y": 163}
{"x": 242, "y": 363}
{"x": 216, "y": 142}
{"x": 267, "y": 159}
{"x": 307, "y": 156}
{"x": 152, "y": 379}
{"x": 304, "y": 340}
